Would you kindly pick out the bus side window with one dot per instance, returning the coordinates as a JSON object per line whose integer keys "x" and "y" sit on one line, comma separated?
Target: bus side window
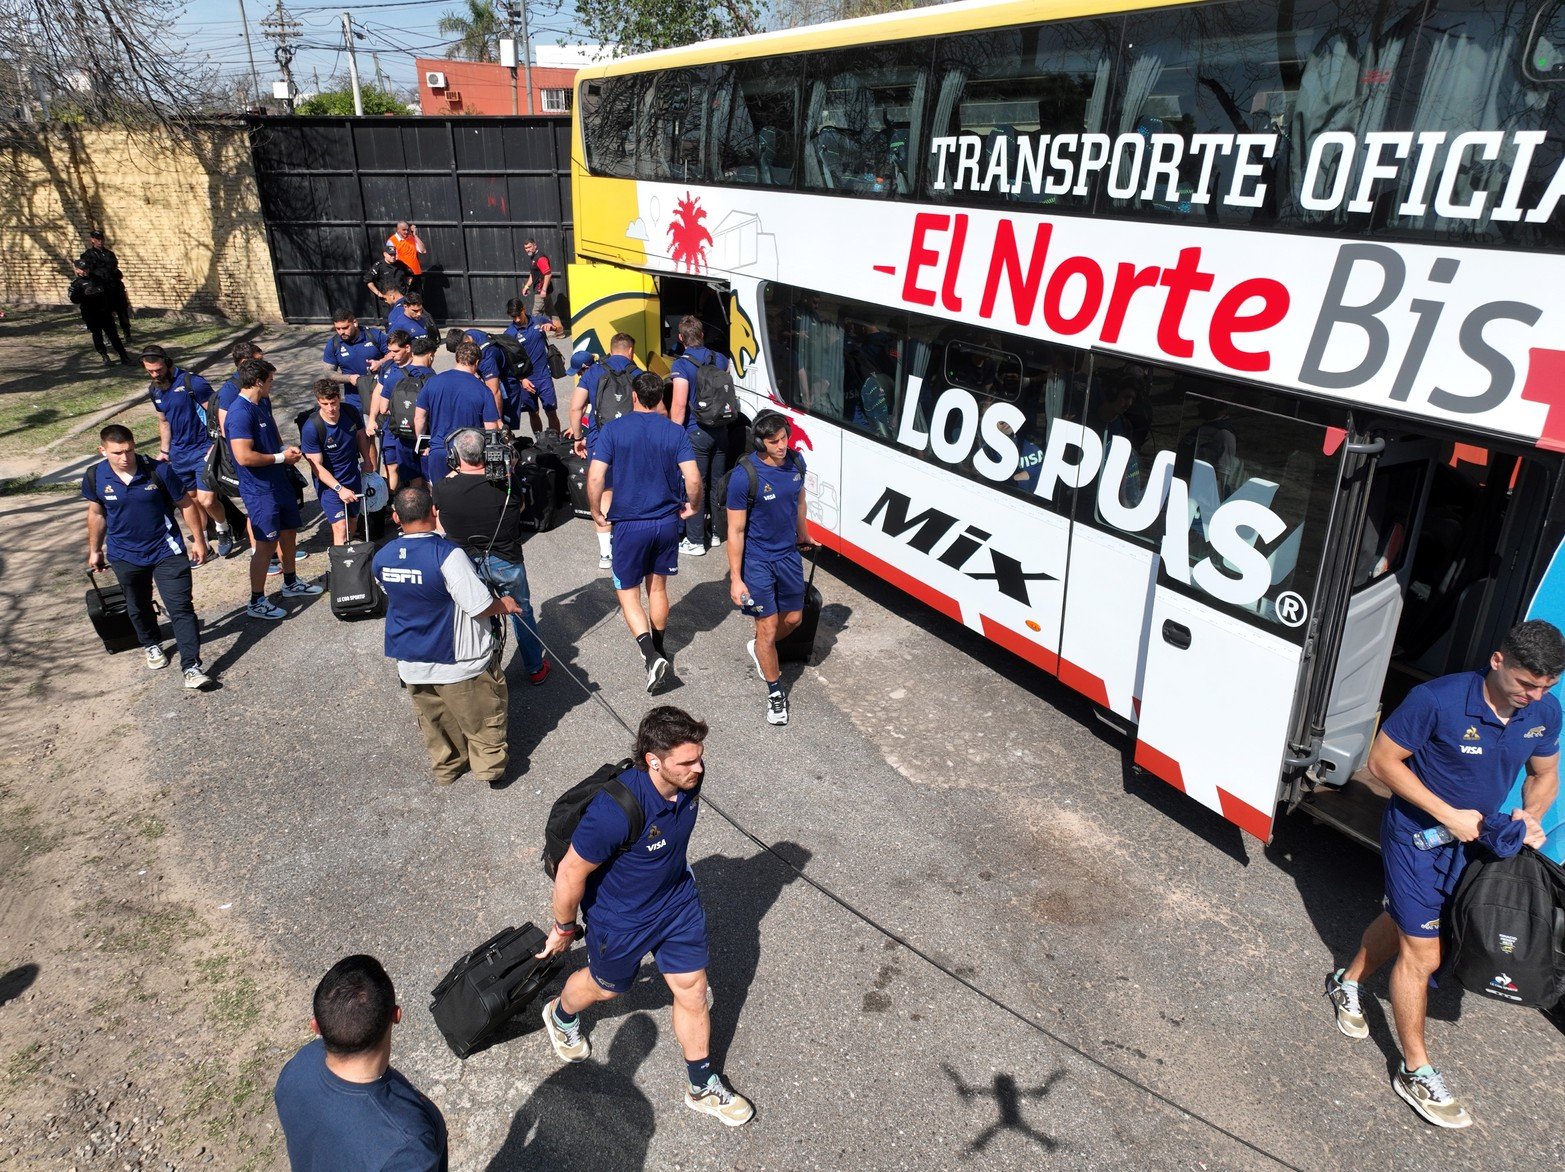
{"x": 863, "y": 118}
{"x": 672, "y": 139}
{"x": 609, "y": 114}
{"x": 753, "y": 139}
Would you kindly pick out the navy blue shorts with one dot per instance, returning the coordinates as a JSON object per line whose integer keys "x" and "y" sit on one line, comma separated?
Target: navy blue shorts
{"x": 677, "y": 945}
{"x": 529, "y": 400}
{"x": 1418, "y": 883}
{"x": 271, "y": 512}
{"x": 391, "y": 452}
{"x": 331, "y": 504}
{"x": 640, "y": 548}
{"x": 776, "y": 584}
{"x": 191, "y": 471}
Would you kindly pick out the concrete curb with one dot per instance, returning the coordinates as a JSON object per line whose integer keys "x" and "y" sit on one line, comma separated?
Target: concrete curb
{"x": 127, "y": 403}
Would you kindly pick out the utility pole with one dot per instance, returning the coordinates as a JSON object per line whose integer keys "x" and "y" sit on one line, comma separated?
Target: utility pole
{"x": 255, "y": 78}
{"x": 517, "y": 9}
{"x": 380, "y": 76}
{"x": 353, "y": 65}
{"x": 284, "y": 30}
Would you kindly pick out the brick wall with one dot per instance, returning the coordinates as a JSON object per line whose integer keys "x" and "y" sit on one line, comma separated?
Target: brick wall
{"x": 181, "y": 212}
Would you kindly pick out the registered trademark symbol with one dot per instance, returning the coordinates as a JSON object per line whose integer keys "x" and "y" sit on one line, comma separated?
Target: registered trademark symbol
{"x": 1291, "y": 609}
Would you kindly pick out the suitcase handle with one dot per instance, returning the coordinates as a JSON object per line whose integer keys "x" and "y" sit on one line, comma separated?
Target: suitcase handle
{"x": 92, "y": 576}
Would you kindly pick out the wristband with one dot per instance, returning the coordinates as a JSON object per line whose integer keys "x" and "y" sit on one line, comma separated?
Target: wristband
{"x": 279, "y": 458}
{"x": 565, "y": 929}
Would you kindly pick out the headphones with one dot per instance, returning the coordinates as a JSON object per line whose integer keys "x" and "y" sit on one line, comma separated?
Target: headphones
{"x": 766, "y": 419}
{"x": 454, "y": 461}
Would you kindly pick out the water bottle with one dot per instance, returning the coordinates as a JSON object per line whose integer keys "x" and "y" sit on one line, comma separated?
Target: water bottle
{"x": 748, "y": 606}
{"x": 1427, "y": 840}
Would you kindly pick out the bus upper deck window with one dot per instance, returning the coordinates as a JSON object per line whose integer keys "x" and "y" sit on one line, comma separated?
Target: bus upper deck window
{"x": 1546, "y": 48}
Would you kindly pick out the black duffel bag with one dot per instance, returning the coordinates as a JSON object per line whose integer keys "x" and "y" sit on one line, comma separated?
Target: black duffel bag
{"x": 489, "y": 986}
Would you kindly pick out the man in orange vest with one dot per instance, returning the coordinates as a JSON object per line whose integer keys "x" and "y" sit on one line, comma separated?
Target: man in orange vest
{"x": 409, "y": 249}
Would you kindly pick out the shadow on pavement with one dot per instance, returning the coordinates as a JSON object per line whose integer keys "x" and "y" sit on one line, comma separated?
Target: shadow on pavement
{"x": 16, "y": 982}
{"x": 588, "y": 1114}
{"x": 1007, "y": 1098}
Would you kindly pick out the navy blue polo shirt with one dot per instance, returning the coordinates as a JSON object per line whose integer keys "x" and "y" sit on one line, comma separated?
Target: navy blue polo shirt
{"x": 772, "y": 528}
{"x": 333, "y": 1125}
{"x": 493, "y": 362}
{"x": 536, "y": 344}
{"x": 183, "y": 405}
{"x": 454, "y": 399}
{"x": 645, "y": 449}
{"x": 254, "y": 422}
{"x": 1461, "y": 750}
{"x": 142, "y": 528}
{"x": 354, "y": 357}
{"x": 685, "y": 368}
{"x": 651, "y": 881}
{"x": 398, "y": 319}
{"x": 341, "y": 444}
{"x": 590, "y": 380}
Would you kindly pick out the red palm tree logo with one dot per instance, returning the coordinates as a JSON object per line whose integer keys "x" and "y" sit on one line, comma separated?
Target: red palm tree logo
{"x": 687, "y": 239}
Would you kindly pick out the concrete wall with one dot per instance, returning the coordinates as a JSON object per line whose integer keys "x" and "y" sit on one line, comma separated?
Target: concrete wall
{"x": 182, "y": 213}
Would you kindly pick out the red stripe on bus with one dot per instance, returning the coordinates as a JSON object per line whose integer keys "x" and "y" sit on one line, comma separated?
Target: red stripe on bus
{"x": 1245, "y": 816}
{"x": 922, "y": 591}
{"x": 889, "y": 270}
{"x": 1333, "y": 440}
{"x": 1085, "y": 682}
{"x": 1034, "y": 653}
{"x": 824, "y": 537}
{"x": 1545, "y": 380}
{"x": 1160, "y": 765}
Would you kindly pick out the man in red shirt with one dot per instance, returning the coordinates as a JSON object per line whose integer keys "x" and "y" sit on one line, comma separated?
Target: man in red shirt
{"x": 540, "y": 279}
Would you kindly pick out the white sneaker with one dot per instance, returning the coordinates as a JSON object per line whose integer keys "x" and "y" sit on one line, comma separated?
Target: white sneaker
{"x": 656, "y": 670}
{"x": 265, "y": 608}
{"x": 776, "y": 708}
{"x": 196, "y": 678}
{"x": 569, "y": 1044}
{"x": 605, "y": 562}
{"x": 156, "y": 658}
{"x": 755, "y": 659}
{"x": 299, "y": 588}
{"x": 690, "y": 549}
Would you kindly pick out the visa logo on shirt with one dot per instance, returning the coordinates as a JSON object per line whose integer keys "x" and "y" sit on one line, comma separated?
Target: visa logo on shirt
{"x": 1473, "y": 750}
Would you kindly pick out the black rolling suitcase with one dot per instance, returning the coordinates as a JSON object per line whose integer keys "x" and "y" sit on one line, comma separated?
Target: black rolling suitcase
{"x": 353, "y": 590}
{"x": 800, "y": 644}
{"x": 489, "y": 986}
{"x": 106, "y": 609}
{"x": 547, "y": 503}
{"x": 576, "y": 483}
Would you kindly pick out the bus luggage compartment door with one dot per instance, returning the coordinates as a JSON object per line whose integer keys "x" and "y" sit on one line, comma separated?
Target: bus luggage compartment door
{"x": 1233, "y": 604}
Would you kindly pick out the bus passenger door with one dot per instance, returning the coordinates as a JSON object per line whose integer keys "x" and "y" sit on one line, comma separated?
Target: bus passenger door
{"x": 607, "y": 300}
{"x": 1246, "y": 518}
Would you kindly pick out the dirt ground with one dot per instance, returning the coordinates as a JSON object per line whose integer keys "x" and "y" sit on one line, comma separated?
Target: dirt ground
{"x": 138, "y": 1029}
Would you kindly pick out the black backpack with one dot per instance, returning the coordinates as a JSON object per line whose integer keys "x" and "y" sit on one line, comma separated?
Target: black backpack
{"x": 556, "y": 363}
{"x": 716, "y": 403}
{"x": 565, "y": 814}
{"x": 1507, "y": 928}
{"x": 612, "y": 398}
{"x": 515, "y": 354}
{"x": 303, "y": 420}
{"x": 747, "y": 462}
{"x": 404, "y": 401}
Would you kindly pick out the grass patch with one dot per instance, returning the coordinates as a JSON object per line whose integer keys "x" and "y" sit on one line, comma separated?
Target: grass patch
{"x": 40, "y": 401}
{"x": 220, "y": 1104}
{"x": 149, "y": 826}
{"x": 26, "y": 836}
{"x": 22, "y": 1065}
{"x": 235, "y": 999}
{"x": 119, "y": 926}
{"x": 33, "y": 486}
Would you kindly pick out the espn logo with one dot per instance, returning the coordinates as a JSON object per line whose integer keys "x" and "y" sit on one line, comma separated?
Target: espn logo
{"x": 393, "y": 575}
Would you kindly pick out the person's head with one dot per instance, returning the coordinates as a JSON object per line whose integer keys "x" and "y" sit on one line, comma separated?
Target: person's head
{"x": 118, "y": 447}
{"x": 1528, "y": 663}
{"x": 328, "y": 398}
{"x": 399, "y": 346}
{"x": 517, "y": 309}
{"x": 389, "y": 251}
{"x": 530, "y": 247}
{"x": 240, "y": 351}
{"x": 468, "y": 444}
{"x": 669, "y": 746}
{"x": 424, "y": 348}
{"x": 467, "y": 352}
{"x": 413, "y": 305}
{"x": 414, "y": 509}
{"x": 455, "y": 337}
{"x": 256, "y": 374}
{"x": 772, "y": 432}
{"x": 95, "y": 238}
{"x": 403, "y": 227}
{"x": 622, "y": 344}
{"x": 158, "y": 365}
{"x": 691, "y": 331}
{"x": 344, "y": 324}
{"x": 649, "y": 390}
{"x": 582, "y": 361}
{"x": 354, "y": 1007}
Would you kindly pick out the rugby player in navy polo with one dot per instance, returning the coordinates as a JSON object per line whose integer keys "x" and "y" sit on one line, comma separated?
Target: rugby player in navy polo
{"x": 494, "y": 371}
{"x": 655, "y": 482}
{"x": 265, "y": 487}
{"x": 353, "y": 352}
{"x": 339, "y": 451}
{"x": 766, "y": 573}
{"x": 182, "y": 401}
{"x": 538, "y": 387}
{"x": 584, "y": 422}
{"x": 131, "y": 502}
{"x": 438, "y": 631}
{"x": 408, "y": 314}
{"x": 450, "y": 401}
{"x": 343, "y": 1106}
{"x": 639, "y": 897}
{"x": 1450, "y": 755}
{"x": 399, "y": 465}
{"x": 716, "y": 447}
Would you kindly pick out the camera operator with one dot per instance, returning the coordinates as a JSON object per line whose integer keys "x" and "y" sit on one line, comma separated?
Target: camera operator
{"x": 480, "y": 506}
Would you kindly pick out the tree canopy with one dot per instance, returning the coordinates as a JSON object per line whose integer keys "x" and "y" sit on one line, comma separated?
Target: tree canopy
{"x": 637, "y": 26}
{"x": 477, "y": 33}
{"x": 339, "y": 103}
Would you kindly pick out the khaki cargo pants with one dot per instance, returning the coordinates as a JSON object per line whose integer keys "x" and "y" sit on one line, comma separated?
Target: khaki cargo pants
{"x": 464, "y": 725}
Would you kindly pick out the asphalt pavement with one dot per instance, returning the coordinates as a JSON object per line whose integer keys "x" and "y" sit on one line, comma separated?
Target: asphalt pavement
{"x": 1110, "y": 976}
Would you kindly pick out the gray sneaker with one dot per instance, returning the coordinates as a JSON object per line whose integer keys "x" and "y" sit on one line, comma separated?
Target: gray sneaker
{"x": 156, "y": 658}
{"x": 196, "y": 678}
{"x": 568, "y": 1042}
{"x": 717, "y": 1099}
{"x": 1425, "y": 1091}
{"x": 1344, "y": 998}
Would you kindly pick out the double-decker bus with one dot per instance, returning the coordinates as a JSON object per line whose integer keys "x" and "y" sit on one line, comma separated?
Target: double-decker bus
{"x": 1205, "y": 355}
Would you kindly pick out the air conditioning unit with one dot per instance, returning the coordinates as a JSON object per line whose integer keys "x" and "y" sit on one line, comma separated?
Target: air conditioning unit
{"x": 435, "y": 80}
